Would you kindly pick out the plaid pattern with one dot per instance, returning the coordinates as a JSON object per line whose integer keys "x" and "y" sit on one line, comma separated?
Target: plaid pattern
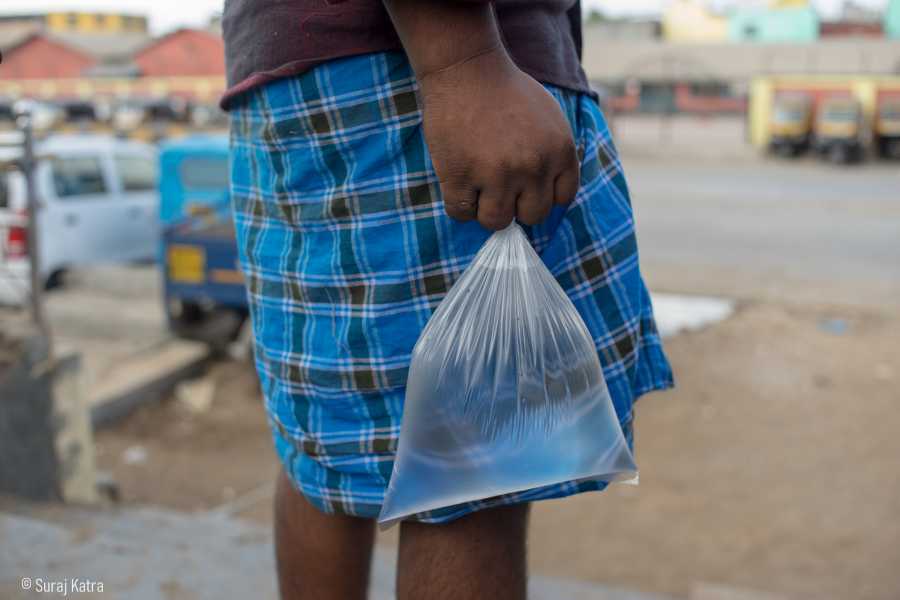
{"x": 347, "y": 252}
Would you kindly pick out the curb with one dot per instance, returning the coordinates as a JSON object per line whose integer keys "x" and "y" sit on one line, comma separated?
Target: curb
{"x": 158, "y": 372}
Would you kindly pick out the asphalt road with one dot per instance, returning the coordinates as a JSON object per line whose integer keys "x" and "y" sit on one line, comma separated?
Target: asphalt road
{"x": 799, "y": 231}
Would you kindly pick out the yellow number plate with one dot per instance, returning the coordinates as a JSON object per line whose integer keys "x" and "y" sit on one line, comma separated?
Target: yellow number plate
{"x": 186, "y": 264}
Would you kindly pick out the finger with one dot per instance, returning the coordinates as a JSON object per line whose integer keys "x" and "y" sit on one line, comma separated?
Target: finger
{"x": 565, "y": 187}
{"x": 460, "y": 202}
{"x": 535, "y": 201}
{"x": 496, "y": 208}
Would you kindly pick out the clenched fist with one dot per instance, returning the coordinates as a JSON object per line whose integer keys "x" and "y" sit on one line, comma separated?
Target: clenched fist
{"x": 500, "y": 144}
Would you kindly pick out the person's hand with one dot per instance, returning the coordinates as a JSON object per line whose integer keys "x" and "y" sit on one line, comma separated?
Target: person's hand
{"x": 499, "y": 142}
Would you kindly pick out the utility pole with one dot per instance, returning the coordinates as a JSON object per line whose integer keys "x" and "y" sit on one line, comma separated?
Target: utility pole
{"x": 29, "y": 166}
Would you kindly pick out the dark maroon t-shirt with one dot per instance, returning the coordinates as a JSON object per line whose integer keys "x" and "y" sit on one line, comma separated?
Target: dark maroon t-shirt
{"x": 269, "y": 39}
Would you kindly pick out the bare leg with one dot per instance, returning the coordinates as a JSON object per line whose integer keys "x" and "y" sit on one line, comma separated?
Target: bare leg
{"x": 480, "y": 556}
{"x": 319, "y": 556}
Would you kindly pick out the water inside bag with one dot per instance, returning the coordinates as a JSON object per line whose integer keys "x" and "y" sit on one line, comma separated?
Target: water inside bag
{"x": 505, "y": 392}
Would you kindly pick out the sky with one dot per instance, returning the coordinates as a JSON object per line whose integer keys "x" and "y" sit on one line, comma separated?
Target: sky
{"x": 169, "y": 14}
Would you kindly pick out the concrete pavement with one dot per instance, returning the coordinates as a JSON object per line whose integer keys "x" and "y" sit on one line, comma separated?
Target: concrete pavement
{"x": 150, "y": 554}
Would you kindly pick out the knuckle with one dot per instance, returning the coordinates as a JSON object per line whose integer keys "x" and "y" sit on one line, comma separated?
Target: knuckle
{"x": 457, "y": 213}
{"x": 533, "y": 163}
{"x": 505, "y": 165}
{"x": 458, "y": 208}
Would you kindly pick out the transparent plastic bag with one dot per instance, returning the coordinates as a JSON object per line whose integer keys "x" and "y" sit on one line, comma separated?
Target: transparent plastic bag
{"x": 505, "y": 391}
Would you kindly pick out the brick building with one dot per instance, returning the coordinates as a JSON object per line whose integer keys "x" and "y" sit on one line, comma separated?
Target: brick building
{"x": 39, "y": 56}
{"x": 182, "y": 53}
{"x": 91, "y": 56}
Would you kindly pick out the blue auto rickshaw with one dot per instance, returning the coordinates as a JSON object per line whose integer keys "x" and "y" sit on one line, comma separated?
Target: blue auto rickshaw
{"x": 205, "y": 298}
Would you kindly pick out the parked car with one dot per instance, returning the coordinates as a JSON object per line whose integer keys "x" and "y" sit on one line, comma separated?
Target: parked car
{"x": 97, "y": 203}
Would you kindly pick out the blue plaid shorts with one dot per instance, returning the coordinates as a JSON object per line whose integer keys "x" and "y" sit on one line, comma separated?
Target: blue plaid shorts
{"x": 347, "y": 251}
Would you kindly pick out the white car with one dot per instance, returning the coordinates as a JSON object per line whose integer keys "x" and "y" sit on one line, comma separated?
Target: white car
{"x": 97, "y": 203}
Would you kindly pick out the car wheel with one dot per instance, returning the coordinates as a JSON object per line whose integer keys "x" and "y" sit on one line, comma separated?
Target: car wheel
{"x": 892, "y": 148}
{"x": 838, "y": 154}
{"x": 56, "y": 280}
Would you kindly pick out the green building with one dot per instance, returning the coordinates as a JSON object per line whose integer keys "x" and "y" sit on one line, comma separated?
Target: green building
{"x": 892, "y": 20}
{"x": 798, "y": 24}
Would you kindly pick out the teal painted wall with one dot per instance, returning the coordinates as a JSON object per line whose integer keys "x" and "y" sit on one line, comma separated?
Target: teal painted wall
{"x": 775, "y": 25}
{"x": 892, "y": 20}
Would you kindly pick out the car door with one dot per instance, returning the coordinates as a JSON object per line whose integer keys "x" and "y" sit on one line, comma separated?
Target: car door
{"x": 77, "y": 217}
{"x": 137, "y": 196}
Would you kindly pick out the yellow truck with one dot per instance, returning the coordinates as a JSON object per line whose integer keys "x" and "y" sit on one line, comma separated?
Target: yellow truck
{"x": 791, "y": 123}
{"x": 839, "y": 129}
{"x": 878, "y": 98}
{"x": 887, "y": 128}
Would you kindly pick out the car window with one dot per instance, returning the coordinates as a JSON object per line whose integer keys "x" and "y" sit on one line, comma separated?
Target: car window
{"x": 77, "y": 176}
{"x": 138, "y": 173}
{"x": 204, "y": 173}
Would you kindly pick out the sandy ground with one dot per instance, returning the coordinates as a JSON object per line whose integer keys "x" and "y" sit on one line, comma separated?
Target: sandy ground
{"x": 772, "y": 467}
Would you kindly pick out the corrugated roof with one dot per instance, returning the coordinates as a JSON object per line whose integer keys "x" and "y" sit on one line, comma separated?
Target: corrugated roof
{"x": 103, "y": 46}
{"x": 14, "y": 33}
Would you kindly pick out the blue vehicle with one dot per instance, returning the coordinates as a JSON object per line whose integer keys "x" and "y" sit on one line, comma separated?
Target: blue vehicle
{"x": 205, "y": 298}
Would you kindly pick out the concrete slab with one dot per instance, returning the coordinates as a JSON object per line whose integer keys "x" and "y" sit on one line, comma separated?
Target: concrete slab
{"x": 144, "y": 377}
{"x": 112, "y": 318}
{"x": 149, "y": 554}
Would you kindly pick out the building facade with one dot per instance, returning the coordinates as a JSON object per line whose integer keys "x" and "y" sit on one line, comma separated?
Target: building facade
{"x": 892, "y": 20}
{"x": 38, "y": 56}
{"x": 798, "y": 24}
{"x": 64, "y": 56}
{"x": 182, "y": 53}
{"x": 82, "y": 22}
{"x": 689, "y": 21}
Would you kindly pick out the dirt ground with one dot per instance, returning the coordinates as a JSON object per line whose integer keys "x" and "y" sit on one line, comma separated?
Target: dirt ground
{"x": 773, "y": 466}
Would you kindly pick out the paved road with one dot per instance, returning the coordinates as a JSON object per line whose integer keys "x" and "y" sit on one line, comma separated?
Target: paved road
{"x": 798, "y": 231}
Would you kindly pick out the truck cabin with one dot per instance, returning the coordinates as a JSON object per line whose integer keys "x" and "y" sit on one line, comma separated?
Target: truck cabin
{"x": 791, "y": 124}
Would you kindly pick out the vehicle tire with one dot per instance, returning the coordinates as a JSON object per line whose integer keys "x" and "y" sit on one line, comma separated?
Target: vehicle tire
{"x": 217, "y": 327}
{"x": 838, "y": 154}
{"x": 55, "y": 280}
{"x": 892, "y": 148}
{"x": 782, "y": 150}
